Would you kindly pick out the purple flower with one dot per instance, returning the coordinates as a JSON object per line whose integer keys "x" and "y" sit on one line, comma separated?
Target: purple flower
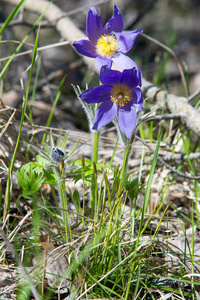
{"x": 107, "y": 44}
{"x": 120, "y": 95}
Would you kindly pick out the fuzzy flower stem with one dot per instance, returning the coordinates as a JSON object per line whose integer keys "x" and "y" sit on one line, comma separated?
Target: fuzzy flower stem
{"x": 83, "y": 179}
{"x": 127, "y": 150}
{"x": 63, "y": 201}
{"x": 95, "y": 145}
{"x": 93, "y": 198}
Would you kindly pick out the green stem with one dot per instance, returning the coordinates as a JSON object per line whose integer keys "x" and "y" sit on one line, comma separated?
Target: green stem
{"x": 63, "y": 201}
{"x": 127, "y": 151}
{"x": 93, "y": 198}
{"x": 83, "y": 179}
{"x": 95, "y": 145}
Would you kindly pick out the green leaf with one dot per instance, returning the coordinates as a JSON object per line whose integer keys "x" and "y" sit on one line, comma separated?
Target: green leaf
{"x": 88, "y": 169}
{"x": 51, "y": 178}
{"x": 14, "y": 12}
{"x": 29, "y": 179}
{"x": 75, "y": 198}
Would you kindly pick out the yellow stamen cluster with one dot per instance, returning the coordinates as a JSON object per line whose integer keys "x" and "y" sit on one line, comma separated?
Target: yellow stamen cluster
{"x": 121, "y": 94}
{"x": 107, "y": 45}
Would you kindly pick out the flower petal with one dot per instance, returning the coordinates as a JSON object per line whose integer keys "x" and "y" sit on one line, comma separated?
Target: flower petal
{"x": 130, "y": 78}
{"x": 137, "y": 98}
{"x": 94, "y": 26}
{"x": 101, "y": 61}
{"x": 96, "y": 94}
{"x": 123, "y": 62}
{"x": 109, "y": 77}
{"x": 105, "y": 114}
{"x": 127, "y": 39}
{"x": 127, "y": 119}
{"x": 116, "y": 23}
{"x": 85, "y": 47}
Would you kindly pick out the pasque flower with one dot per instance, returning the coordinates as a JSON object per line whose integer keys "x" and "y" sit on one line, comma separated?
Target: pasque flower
{"x": 107, "y": 44}
{"x": 120, "y": 95}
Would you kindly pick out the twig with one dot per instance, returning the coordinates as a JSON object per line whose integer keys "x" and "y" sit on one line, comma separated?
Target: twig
{"x": 177, "y": 105}
{"x": 168, "y": 158}
{"x": 7, "y": 123}
{"x": 162, "y": 117}
{"x": 191, "y": 97}
{"x": 31, "y": 51}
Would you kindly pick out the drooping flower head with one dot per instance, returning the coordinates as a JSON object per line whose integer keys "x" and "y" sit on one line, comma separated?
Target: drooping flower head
{"x": 107, "y": 44}
{"x": 120, "y": 95}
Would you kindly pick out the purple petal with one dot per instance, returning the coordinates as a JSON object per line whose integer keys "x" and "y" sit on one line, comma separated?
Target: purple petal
{"x": 101, "y": 61}
{"x": 130, "y": 78}
{"x": 127, "y": 119}
{"x": 96, "y": 94}
{"x": 116, "y": 11}
{"x": 127, "y": 39}
{"x": 105, "y": 114}
{"x": 85, "y": 47}
{"x": 94, "y": 26}
{"x": 110, "y": 77}
{"x": 137, "y": 98}
{"x": 124, "y": 62}
{"x": 116, "y": 23}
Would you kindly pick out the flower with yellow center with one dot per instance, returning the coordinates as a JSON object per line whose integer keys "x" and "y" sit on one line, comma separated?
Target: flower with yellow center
{"x": 107, "y": 45}
{"x": 119, "y": 95}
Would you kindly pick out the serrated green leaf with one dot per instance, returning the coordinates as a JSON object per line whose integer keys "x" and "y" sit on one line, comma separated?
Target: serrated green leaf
{"x": 36, "y": 183}
{"x": 51, "y": 178}
{"x": 29, "y": 179}
{"x": 20, "y": 179}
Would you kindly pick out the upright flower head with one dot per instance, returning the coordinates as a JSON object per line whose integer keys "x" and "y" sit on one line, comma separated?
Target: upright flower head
{"x": 120, "y": 95}
{"x": 107, "y": 44}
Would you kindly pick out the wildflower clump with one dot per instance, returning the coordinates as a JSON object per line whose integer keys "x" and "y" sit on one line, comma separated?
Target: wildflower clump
{"x": 119, "y": 95}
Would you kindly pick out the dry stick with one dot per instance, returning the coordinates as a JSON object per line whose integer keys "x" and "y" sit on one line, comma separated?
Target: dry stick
{"x": 7, "y": 123}
{"x": 169, "y": 157}
{"x": 191, "y": 97}
{"x": 165, "y": 164}
{"x": 162, "y": 117}
{"x": 31, "y": 51}
{"x": 177, "y": 105}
